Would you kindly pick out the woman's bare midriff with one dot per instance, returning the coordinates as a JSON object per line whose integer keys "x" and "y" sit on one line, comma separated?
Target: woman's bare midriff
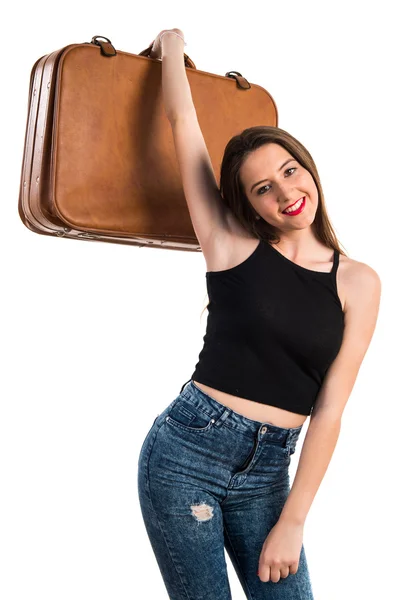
{"x": 255, "y": 410}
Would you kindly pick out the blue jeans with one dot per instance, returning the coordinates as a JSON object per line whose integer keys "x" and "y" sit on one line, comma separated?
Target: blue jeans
{"x": 208, "y": 479}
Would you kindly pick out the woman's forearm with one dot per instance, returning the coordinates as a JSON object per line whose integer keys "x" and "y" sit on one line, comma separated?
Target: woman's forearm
{"x": 176, "y": 90}
{"x": 316, "y": 454}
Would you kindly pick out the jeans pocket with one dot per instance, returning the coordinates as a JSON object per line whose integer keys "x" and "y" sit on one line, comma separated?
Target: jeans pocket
{"x": 184, "y": 415}
{"x": 278, "y": 452}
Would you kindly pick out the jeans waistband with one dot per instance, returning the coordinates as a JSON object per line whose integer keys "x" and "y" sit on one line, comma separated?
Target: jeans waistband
{"x": 284, "y": 435}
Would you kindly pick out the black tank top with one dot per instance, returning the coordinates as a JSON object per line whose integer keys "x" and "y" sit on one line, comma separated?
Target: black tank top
{"x": 273, "y": 329}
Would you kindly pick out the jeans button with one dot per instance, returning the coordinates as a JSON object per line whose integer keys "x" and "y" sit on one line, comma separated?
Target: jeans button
{"x": 264, "y": 429}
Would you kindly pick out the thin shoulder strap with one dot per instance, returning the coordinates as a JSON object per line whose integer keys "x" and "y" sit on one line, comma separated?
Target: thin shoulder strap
{"x": 335, "y": 264}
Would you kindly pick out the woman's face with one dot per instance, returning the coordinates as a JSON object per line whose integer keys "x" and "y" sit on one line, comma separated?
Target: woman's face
{"x": 283, "y": 181}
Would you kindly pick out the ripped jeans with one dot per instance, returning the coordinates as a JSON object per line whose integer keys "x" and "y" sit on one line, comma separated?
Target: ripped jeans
{"x": 211, "y": 479}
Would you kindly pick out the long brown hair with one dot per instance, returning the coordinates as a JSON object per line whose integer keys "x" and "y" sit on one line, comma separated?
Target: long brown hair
{"x": 231, "y": 189}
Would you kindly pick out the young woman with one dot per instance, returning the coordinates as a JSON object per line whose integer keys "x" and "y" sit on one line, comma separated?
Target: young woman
{"x": 290, "y": 320}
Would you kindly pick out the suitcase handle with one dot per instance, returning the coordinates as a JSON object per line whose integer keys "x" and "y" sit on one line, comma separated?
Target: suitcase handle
{"x": 187, "y": 60}
{"x": 240, "y": 80}
{"x": 108, "y": 49}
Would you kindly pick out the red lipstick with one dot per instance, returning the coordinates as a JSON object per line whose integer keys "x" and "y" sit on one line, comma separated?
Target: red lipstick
{"x": 297, "y": 211}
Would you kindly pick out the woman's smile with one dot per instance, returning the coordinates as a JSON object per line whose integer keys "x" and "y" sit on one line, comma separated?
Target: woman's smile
{"x": 295, "y": 209}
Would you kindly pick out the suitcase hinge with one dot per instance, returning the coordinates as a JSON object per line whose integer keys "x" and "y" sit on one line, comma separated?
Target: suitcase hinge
{"x": 89, "y": 236}
{"x": 83, "y": 234}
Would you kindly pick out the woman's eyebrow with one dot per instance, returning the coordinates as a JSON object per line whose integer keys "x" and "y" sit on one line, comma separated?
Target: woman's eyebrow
{"x": 262, "y": 180}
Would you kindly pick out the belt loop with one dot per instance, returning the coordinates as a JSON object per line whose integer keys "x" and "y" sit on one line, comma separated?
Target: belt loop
{"x": 223, "y": 416}
{"x": 184, "y": 385}
{"x": 288, "y": 439}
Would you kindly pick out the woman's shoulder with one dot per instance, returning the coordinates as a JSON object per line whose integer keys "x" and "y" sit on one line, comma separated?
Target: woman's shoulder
{"x": 354, "y": 270}
{"x": 229, "y": 250}
{"x": 358, "y": 280}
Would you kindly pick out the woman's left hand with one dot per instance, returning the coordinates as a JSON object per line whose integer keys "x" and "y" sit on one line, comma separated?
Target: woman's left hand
{"x": 281, "y": 551}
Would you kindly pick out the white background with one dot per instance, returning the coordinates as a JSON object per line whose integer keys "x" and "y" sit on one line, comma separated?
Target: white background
{"x": 97, "y": 338}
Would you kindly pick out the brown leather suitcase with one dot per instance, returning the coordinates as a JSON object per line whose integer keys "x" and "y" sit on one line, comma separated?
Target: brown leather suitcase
{"x": 99, "y": 159}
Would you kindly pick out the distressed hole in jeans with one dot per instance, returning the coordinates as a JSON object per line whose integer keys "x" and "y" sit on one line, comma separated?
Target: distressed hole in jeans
{"x": 202, "y": 512}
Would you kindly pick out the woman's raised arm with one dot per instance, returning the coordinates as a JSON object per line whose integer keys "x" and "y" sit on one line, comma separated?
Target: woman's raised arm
{"x": 208, "y": 214}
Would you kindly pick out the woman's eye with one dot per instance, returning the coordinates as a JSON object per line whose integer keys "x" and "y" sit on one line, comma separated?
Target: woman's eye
{"x": 265, "y": 186}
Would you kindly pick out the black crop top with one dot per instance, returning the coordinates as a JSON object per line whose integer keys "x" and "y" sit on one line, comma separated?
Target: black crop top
{"x": 273, "y": 329}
